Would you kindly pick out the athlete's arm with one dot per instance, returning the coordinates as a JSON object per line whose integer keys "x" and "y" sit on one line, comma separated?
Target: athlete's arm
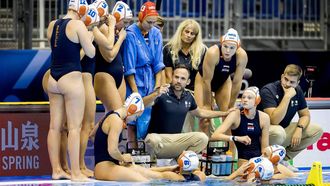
{"x": 229, "y": 123}
{"x": 238, "y": 75}
{"x": 264, "y": 124}
{"x": 85, "y": 38}
{"x": 210, "y": 60}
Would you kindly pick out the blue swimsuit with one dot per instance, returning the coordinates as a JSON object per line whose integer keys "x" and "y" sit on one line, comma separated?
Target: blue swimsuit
{"x": 65, "y": 56}
{"x": 114, "y": 68}
{"x": 251, "y": 128}
{"x": 221, "y": 71}
{"x": 101, "y": 143}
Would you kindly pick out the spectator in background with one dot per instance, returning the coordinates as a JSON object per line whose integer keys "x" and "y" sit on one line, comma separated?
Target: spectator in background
{"x": 143, "y": 63}
{"x": 281, "y": 100}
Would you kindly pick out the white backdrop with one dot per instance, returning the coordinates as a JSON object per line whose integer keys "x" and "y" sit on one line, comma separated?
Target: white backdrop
{"x": 321, "y": 149}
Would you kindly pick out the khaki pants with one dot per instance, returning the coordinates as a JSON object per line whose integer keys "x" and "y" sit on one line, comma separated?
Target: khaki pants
{"x": 172, "y": 145}
{"x": 282, "y": 136}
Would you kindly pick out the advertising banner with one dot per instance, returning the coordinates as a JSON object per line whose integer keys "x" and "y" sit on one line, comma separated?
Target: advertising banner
{"x": 24, "y": 144}
{"x": 319, "y": 151}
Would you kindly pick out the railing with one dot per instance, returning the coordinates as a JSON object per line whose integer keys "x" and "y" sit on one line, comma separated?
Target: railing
{"x": 271, "y": 24}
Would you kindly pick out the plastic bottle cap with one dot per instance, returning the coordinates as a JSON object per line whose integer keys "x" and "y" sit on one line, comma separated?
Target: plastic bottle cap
{"x": 229, "y": 153}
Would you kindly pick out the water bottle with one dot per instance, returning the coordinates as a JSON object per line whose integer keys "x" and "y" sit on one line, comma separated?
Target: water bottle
{"x": 229, "y": 157}
{"x": 216, "y": 170}
{"x": 223, "y": 164}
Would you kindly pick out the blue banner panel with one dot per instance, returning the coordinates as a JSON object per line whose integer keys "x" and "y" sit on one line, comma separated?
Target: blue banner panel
{"x": 21, "y": 73}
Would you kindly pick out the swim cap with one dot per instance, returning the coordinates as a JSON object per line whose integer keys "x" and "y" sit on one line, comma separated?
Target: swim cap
{"x": 121, "y": 11}
{"x": 80, "y": 6}
{"x": 255, "y": 91}
{"x": 102, "y": 7}
{"x": 262, "y": 168}
{"x": 276, "y": 153}
{"x": 188, "y": 161}
{"x": 231, "y": 36}
{"x": 147, "y": 9}
{"x": 91, "y": 16}
{"x": 134, "y": 106}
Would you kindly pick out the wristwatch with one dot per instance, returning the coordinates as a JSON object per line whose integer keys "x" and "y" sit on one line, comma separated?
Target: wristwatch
{"x": 300, "y": 126}
{"x": 233, "y": 138}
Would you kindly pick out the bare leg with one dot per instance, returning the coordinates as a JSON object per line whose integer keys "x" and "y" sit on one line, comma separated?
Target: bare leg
{"x": 107, "y": 92}
{"x": 112, "y": 172}
{"x": 222, "y": 98}
{"x": 72, "y": 86}
{"x": 63, "y": 150}
{"x": 57, "y": 113}
{"x": 88, "y": 121}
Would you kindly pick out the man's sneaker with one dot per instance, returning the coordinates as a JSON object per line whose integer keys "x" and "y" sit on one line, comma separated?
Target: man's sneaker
{"x": 289, "y": 166}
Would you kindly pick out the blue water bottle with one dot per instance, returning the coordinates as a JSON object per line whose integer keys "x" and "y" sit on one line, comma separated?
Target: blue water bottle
{"x": 216, "y": 164}
{"x": 229, "y": 158}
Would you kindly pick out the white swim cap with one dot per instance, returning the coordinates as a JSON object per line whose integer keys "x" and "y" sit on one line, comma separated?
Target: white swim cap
{"x": 102, "y": 7}
{"x": 134, "y": 106}
{"x": 276, "y": 153}
{"x": 262, "y": 168}
{"x": 121, "y": 11}
{"x": 188, "y": 161}
{"x": 255, "y": 91}
{"x": 91, "y": 15}
{"x": 231, "y": 36}
{"x": 80, "y": 6}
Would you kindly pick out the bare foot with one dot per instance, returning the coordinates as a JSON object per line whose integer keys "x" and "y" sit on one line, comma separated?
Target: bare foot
{"x": 80, "y": 178}
{"x": 60, "y": 175}
{"x": 89, "y": 173}
{"x": 67, "y": 170}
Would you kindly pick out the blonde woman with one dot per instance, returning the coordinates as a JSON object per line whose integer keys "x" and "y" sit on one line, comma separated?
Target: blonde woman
{"x": 185, "y": 47}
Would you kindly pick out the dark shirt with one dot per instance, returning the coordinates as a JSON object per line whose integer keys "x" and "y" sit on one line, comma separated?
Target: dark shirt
{"x": 272, "y": 95}
{"x": 168, "y": 113}
{"x": 182, "y": 59}
{"x": 251, "y": 128}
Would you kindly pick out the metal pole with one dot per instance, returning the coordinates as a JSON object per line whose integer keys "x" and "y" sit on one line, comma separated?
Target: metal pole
{"x": 28, "y": 23}
{"x": 41, "y": 22}
{"x": 19, "y": 23}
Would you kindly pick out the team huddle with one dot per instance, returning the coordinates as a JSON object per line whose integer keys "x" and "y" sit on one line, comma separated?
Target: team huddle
{"x": 156, "y": 92}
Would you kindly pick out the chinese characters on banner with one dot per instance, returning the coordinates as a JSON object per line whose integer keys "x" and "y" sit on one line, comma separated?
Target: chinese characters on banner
{"x": 24, "y": 144}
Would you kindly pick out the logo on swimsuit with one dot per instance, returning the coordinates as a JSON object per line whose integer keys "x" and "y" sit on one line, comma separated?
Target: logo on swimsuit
{"x": 225, "y": 68}
{"x": 250, "y": 127}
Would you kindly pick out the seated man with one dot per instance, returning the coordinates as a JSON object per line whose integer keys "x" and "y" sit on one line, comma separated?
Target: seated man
{"x": 168, "y": 115}
{"x": 281, "y": 100}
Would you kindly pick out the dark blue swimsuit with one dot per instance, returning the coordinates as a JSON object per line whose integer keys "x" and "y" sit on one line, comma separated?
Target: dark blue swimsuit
{"x": 114, "y": 68}
{"x": 101, "y": 143}
{"x": 65, "y": 56}
{"x": 88, "y": 64}
{"x": 221, "y": 71}
{"x": 250, "y": 127}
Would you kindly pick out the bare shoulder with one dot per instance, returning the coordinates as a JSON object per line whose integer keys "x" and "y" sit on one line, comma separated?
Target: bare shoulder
{"x": 50, "y": 28}
{"x": 263, "y": 115}
{"x": 241, "y": 51}
{"x": 235, "y": 114}
{"x": 213, "y": 50}
{"x": 212, "y": 54}
{"x": 76, "y": 23}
